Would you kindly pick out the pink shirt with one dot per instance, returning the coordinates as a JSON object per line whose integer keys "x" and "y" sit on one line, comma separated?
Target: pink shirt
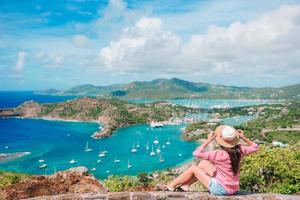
{"x": 220, "y": 158}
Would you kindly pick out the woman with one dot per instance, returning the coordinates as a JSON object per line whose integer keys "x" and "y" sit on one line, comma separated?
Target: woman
{"x": 219, "y": 171}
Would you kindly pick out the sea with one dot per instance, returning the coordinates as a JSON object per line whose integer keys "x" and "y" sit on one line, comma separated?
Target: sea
{"x": 60, "y": 145}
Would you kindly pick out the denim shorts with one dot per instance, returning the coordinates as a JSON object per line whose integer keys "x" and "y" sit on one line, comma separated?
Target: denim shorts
{"x": 216, "y": 189}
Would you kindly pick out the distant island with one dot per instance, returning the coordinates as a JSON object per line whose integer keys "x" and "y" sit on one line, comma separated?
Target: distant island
{"x": 177, "y": 88}
{"x": 111, "y": 113}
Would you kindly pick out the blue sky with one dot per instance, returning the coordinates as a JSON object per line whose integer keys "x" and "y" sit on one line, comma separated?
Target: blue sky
{"x": 60, "y": 44}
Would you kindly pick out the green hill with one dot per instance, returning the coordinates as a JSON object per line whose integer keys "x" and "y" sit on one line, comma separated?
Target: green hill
{"x": 178, "y": 88}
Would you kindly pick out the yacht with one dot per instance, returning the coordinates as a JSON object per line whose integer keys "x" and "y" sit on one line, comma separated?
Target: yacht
{"x": 117, "y": 160}
{"x": 179, "y": 154}
{"x": 137, "y": 144}
{"x": 107, "y": 171}
{"x": 152, "y": 152}
{"x": 133, "y": 150}
{"x": 156, "y": 140}
{"x": 41, "y": 160}
{"x": 43, "y": 166}
{"x": 101, "y": 154}
{"x": 129, "y": 165}
{"x": 98, "y": 161}
{"x": 163, "y": 146}
{"x": 72, "y": 161}
{"x": 168, "y": 142}
{"x": 158, "y": 150}
{"x": 147, "y": 146}
{"x": 156, "y": 124}
{"x": 161, "y": 159}
{"x": 87, "y": 149}
{"x": 93, "y": 169}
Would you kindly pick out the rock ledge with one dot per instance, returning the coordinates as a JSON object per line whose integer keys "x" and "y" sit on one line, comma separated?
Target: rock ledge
{"x": 166, "y": 196}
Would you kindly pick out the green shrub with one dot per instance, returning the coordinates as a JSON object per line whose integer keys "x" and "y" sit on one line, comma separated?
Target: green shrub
{"x": 272, "y": 170}
{"x": 121, "y": 183}
{"x": 8, "y": 178}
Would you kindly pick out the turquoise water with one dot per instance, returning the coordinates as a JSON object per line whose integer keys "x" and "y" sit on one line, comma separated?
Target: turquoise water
{"x": 58, "y": 142}
{"x": 9, "y": 99}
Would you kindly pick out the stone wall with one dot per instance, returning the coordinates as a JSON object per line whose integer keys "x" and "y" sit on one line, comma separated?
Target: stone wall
{"x": 165, "y": 196}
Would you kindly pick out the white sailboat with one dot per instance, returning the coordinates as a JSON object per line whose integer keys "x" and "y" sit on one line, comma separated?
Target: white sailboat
{"x": 41, "y": 160}
{"x": 163, "y": 146}
{"x": 152, "y": 153}
{"x": 161, "y": 159}
{"x": 156, "y": 140}
{"x": 158, "y": 150}
{"x": 117, "y": 160}
{"x": 93, "y": 169}
{"x": 133, "y": 150}
{"x": 137, "y": 144}
{"x": 43, "y": 166}
{"x": 87, "y": 149}
{"x": 147, "y": 146}
{"x": 179, "y": 154}
{"x": 72, "y": 161}
{"x": 168, "y": 142}
{"x": 101, "y": 154}
{"x": 129, "y": 165}
{"x": 98, "y": 161}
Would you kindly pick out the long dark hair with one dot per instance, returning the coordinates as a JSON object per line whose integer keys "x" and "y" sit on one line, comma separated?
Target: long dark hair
{"x": 235, "y": 157}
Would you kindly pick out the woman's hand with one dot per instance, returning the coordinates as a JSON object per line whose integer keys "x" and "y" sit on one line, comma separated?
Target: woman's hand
{"x": 240, "y": 133}
{"x": 211, "y": 136}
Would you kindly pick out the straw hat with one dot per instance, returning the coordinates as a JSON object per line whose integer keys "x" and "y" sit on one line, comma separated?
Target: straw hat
{"x": 226, "y": 136}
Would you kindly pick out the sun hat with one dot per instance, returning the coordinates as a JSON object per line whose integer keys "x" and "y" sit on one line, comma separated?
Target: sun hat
{"x": 226, "y": 136}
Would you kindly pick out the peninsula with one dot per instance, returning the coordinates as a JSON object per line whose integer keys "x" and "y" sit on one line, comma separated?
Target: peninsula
{"x": 110, "y": 113}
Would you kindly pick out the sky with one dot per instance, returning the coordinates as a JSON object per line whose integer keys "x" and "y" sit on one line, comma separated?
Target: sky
{"x": 63, "y": 43}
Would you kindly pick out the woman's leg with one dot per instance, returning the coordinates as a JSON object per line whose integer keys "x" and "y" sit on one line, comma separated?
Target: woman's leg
{"x": 207, "y": 167}
{"x": 190, "y": 173}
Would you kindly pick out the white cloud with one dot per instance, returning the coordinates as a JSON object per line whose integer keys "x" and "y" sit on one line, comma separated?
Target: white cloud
{"x": 80, "y": 41}
{"x": 20, "y": 62}
{"x": 268, "y": 46}
{"x": 145, "y": 45}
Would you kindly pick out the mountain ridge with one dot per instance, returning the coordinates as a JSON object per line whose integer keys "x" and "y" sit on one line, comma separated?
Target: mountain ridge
{"x": 175, "y": 88}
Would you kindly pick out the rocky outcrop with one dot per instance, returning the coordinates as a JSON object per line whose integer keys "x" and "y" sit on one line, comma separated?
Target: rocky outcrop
{"x": 75, "y": 181}
{"x": 166, "y": 196}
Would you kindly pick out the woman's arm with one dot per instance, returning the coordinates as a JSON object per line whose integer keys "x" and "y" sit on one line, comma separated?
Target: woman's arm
{"x": 243, "y": 137}
{"x": 253, "y": 147}
{"x": 200, "y": 151}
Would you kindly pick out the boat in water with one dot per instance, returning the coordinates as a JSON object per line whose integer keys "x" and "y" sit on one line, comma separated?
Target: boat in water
{"x": 87, "y": 149}
{"x": 158, "y": 150}
{"x": 156, "y": 124}
{"x": 101, "y": 154}
{"x": 43, "y": 166}
{"x": 93, "y": 169}
{"x": 129, "y": 165}
{"x": 161, "y": 159}
{"x": 147, "y": 146}
{"x": 156, "y": 140}
{"x": 168, "y": 142}
{"x": 152, "y": 153}
{"x": 72, "y": 161}
{"x": 133, "y": 150}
